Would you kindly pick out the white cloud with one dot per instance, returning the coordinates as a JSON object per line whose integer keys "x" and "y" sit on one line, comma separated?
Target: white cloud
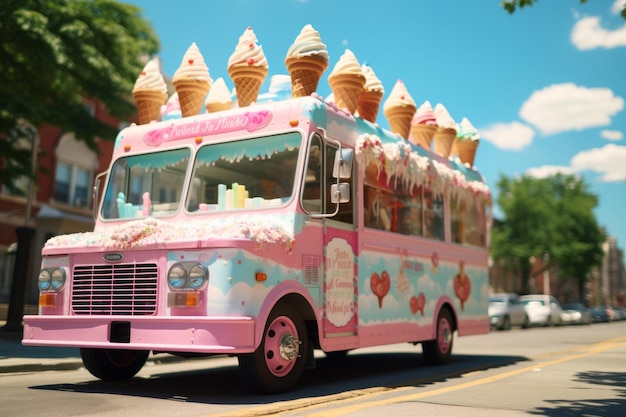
{"x": 548, "y": 171}
{"x": 562, "y": 107}
{"x": 608, "y": 161}
{"x": 588, "y": 33}
{"x": 612, "y": 134}
{"x": 618, "y": 6}
{"x": 508, "y": 136}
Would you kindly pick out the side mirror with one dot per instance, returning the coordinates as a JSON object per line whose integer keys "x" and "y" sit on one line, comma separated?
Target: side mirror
{"x": 95, "y": 197}
{"x": 342, "y": 166}
{"x": 340, "y": 193}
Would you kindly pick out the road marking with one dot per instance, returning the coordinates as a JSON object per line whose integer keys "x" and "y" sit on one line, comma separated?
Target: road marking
{"x": 368, "y": 397}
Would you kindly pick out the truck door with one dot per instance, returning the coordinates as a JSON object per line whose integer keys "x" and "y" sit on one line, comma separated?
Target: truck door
{"x": 336, "y": 234}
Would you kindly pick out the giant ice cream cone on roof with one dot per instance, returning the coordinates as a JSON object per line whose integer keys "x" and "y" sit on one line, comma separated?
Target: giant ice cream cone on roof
{"x": 307, "y": 59}
{"x": 424, "y": 126}
{"x": 467, "y": 142}
{"x": 219, "y": 98}
{"x": 150, "y": 92}
{"x": 399, "y": 109}
{"x": 247, "y": 67}
{"x": 192, "y": 81}
{"x": 371, "y": 96}
{"x": 423, "y": 135}
{"x": 446, "y": 133}
{"x": 347, "y": 81}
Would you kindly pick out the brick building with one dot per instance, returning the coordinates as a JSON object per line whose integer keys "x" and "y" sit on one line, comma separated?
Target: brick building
{"x": 60, "y": 202}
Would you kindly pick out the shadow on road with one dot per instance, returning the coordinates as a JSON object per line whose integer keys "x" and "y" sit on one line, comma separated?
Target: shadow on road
{"x": 223, "y": 385}
{"x": 614, "y": 406}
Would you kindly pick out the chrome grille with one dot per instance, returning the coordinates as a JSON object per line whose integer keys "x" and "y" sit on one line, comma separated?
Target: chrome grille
{"x": 123, "y": 289}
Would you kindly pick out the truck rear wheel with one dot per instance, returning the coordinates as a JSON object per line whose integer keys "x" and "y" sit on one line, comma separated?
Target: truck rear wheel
{"x": 439, "y": 351}
{"x": 277, "y": 364}
{"x": 113, "y": 364}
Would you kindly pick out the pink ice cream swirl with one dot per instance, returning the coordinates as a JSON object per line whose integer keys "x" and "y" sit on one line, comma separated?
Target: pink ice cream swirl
{"x": 424, "y": 115}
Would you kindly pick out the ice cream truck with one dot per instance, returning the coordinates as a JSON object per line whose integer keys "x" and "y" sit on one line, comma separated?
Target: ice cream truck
{"x": 266, "y": 233}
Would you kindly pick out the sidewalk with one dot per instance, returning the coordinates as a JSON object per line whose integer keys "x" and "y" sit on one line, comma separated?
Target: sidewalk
{"x": 15, "y": 357}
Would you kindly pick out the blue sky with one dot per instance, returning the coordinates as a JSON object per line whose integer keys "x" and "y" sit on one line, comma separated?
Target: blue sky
{"x": 545, "y": 87}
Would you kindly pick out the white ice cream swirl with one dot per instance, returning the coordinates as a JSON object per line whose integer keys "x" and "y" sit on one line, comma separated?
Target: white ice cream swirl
{"x": 372, "y": 83}
{"x": 151, "y": 79}
{"x": 193, "y": 66}
{"x": 308, "y": 42}
{"x": 247, "y": 51}
{"x": 399, "y": 97}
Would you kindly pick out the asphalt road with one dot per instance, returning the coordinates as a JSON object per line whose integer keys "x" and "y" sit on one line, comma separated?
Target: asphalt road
{"x": 572, "y": 370}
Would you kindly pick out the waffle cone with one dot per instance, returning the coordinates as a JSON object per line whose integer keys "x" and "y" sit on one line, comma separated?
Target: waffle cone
{"x": 215, "y": 107}
{"x": 308, "y": 70}
{"x": 149, "y": 104}
{"x": 368, "y": 104}
{"x": 444, "y": 139}
{"x": 346, "y": 89}
{"x": 297, "y": 90}
{"x": 191, "y": 93}
{"x": 248, "y": 80}
{"x": 423, "y": 135}
{"x": 399, "y": 119}
{"x": 467, "y": 150}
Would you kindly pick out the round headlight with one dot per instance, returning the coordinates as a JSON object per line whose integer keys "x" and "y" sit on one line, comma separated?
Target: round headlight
{"x": 43, "y": 281}
{"x": 57, "y": 279}
{"x": 198, "y": 276}
{"x": 177, "y": 276}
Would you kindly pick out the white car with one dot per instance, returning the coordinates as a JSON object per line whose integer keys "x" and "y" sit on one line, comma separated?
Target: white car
{"x": 542, "y": 310}
{"x": 506, "y": 311}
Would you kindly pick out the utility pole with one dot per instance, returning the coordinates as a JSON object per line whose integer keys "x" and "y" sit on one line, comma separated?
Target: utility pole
{"x": 25, "y": 234}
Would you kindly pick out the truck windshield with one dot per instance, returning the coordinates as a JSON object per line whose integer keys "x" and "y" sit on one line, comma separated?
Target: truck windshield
{"x": 146, "y": 185}
{"x": 250, "y": 173}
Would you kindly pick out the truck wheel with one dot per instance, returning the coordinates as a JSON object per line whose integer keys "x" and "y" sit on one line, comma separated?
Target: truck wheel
{"x": 439, "y": 351}
{"x": 113, "y": 364}
{"x": 277, "y": 364}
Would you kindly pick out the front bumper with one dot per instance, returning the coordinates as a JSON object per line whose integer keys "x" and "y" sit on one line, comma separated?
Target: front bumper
{"x": 224, "y": 335}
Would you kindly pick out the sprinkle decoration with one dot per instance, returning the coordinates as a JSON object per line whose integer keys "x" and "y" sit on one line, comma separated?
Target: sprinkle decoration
{"x": 400, "y": 163}
{"x": 261, "y": 229}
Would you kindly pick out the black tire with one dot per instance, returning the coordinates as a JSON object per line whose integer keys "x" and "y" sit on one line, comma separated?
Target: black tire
{"x": 526, "y": 323}
{"x": 506, "y": 323}
{"x": 439, "y": 351}
{"x": 113, "y": 364}
{"x": 277, "y": 364}
{"x": 336, "y": 355}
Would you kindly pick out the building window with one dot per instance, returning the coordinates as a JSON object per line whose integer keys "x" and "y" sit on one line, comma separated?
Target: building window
{"x": 74, "y": 172}
{"x": 71, "y": 185}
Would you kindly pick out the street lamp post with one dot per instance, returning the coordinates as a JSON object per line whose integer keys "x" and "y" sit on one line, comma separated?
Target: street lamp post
{"x": 546, "y": 274}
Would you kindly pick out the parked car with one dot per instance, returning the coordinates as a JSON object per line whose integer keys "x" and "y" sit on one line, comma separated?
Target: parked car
{"x": 542, "y": 310}
{"x": 601, "y": 314}
{"x": 575, "y": 313}
{"x": 506, "y": 311}
{"x": 619, "y": 313}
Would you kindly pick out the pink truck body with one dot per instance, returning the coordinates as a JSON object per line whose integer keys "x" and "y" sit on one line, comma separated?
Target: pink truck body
{"x": 208, "y": 225}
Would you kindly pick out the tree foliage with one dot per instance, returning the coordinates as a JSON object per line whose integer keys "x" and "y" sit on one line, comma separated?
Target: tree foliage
{"x": 512, "y": 5}
{"x": 549, "y": 216}
{"x": 56, "y": 53}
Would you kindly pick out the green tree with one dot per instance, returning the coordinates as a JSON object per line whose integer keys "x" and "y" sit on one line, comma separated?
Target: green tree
{"x": 578, "y": 242}
{"x": 512, "y": 5}
{"x": 528, "y": 226}
{"x": 547, "y": 216}
{"x": 54, "y": 54}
